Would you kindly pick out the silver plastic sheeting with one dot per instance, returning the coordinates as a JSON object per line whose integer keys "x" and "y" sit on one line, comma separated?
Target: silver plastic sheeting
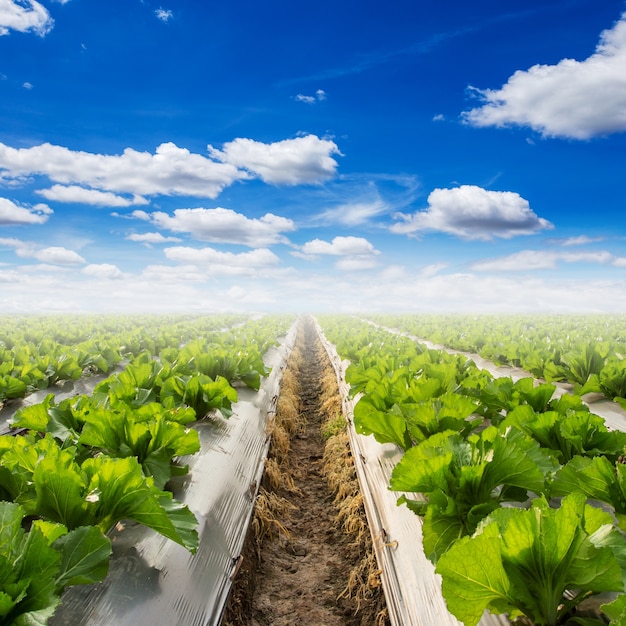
{"x": 411, "y": 586}
{"x": 154, "y": 581}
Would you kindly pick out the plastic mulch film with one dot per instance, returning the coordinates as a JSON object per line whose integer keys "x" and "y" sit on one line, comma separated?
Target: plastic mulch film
{"x": 153, "y": 580}
{"x": 411, "y": 586}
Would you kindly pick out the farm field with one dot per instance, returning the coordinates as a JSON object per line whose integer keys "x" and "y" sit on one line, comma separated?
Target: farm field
{"x": 234, "y": 426}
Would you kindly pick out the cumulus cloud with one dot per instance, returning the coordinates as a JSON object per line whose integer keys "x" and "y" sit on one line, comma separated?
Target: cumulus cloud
{"x": 224, "y": 263}
{"x": 74, "y": 193}
{"x": 149, "y": 238}
{"x": 472, "y": 212}
{"x": 103, "y": 270}
{"x": 57, "y": 255}
{"x": 356, "y": 253}
{"x": 169, "y": 171}
{"x": 527, "y": 260}
{"x": 24, "y": 16}
{"x": 172, "y": 170}
{"x": 340, "y": 246}
{"x": 11, "y": 213}
{"x": 303, "y": 160}
{"x": 225, "y": 226}
{"x": 574, "y": 99}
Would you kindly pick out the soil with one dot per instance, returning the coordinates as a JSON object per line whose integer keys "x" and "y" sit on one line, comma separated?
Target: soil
{"x": 300, "y": 573}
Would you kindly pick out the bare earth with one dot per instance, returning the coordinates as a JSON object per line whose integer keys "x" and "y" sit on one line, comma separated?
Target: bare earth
{"x": 302, "y": 575}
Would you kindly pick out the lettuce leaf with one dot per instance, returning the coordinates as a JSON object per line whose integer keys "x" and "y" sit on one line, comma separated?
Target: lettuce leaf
{"x": 37, "y": 565}
{"x": 522, "y": 562}
{"x": 463, "y": 481}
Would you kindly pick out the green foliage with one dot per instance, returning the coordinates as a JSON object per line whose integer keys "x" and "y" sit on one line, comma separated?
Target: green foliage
{"x": 575, "y": 433}
{"x": 200, "y": 392}
{"x": 48, "y": 482}
{"x": 36, "y": 566}
{"x": 464, "y": 480}
{"x": 523, "y": 562}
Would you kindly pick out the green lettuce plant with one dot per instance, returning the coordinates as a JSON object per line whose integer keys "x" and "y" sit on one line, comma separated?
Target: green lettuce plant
{"x": 540, "y": 563}
{"x": 36, "y": 565}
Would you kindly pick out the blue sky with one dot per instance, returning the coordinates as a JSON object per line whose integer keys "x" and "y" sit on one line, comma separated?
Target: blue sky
{"x": 335, "y": 156}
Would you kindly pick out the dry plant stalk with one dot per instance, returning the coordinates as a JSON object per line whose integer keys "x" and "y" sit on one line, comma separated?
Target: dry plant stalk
{"x": 364, "y": 581}
{"x": 278, "y": 475}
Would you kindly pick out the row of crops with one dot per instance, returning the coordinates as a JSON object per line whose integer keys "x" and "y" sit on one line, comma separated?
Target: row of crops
{"x": 38, "y": 352}
{"x": 72, "y": 470}
{"x": 587, "y": 351}
{"x": 522, "y": 494}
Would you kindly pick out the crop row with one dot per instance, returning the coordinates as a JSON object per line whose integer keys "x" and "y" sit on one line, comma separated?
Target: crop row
{"x": 587, "y": 351}
{"x": 36, "y": 352}
{"x": 85, "y": 463}
{"x": 502, "y": 474}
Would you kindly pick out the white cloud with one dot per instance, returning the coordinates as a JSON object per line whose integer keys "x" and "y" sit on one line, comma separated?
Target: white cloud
{"x": 140, "y": 215}
{"x": 73, "y": 193}
{"x": 159, "y": 274}
{"x": 619, "y": 261}
{"x": 356, "y": 253}
{"x": 224, "y": 263}
{"x": 11, "y": 213}
{"x": 170, "y": 171}
{"x": 319, "y": 96}
{"x": 439, "y": 117}
{"x": 163, "y": 14}
{"x": 581, "y": 240}
{"x": 354, "y": 213}
{"x": 472, "y": 212}
{"x": 57, "y": 255}
{"x": 189, "y": 287}
{"x": 103, "y": 270}
{"x": 340, "y": 246}
{"x": 303, "y": 160}
{"x": 28, "y": 86}
{"x": 356, "y": 263}
{"x": 24, "y": 16}
{"x": 433, "y": 269}
{"x": 149, "y": 238}
{"x": 575, "y": 99}
{"x": 225, "y": 226}
{"x": 11, "y": 243}
{"x": 527, "y": 260}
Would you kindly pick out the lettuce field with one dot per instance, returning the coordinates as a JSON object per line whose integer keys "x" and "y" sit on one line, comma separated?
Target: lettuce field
{"x": 132, "y": 453}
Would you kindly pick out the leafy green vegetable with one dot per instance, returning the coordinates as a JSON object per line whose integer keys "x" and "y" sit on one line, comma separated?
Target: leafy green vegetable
{"x": 37, "y": 565}
{"x": 575, "y": 433}
{"x": 463, "y": 481}
{"x": 47, "y": 482}
{"x": 598, "y": 479}
{"x": 200, "y": 392}
{"x": 150, "y": 437}
{"x": 610, "y": 381}
{"x": 522, "y": 562}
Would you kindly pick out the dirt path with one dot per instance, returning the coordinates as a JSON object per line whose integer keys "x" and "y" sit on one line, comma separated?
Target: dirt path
{"x": 301, "y": 572}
